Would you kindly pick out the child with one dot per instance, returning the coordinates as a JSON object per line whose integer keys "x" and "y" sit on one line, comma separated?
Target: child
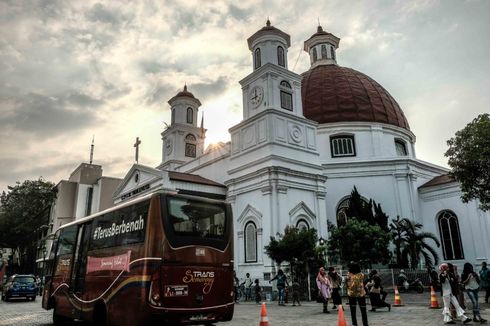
{"x": 258, "y": 292}
{"x": 296, "y": 293}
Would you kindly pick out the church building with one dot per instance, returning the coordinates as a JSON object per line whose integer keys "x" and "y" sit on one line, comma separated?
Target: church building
{"x": 303, "y": 144}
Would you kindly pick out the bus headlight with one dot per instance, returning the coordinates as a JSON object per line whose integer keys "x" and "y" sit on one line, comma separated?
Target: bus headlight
{"x": 156, "y": 297}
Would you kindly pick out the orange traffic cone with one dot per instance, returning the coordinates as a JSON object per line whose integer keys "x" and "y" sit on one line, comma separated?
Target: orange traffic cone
{"x": 341, "y": 319}
{"x": 264, "y": 320}
{"x": 434, "y": 304}
{"x": 398, "y": 300}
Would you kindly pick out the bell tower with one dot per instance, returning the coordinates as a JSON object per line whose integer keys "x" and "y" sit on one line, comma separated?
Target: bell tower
{"x": 271, "y": 84}
{"x": 182, "y": 140}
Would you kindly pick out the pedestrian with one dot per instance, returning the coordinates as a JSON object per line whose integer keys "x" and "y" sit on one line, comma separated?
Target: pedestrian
{"x": 356, "y": 293}
{"x": 281, "y": 284}
{"x": 485, "y": 280}
{"x": 258, "y": 291}
{"x": 336, "y": 281}
{"x": 236, "y": 285}
{"x": 448, "y": 282}
{"x": 434, "y": 278}
{"x": 471, "y": 282}
{"x": 459, "y": 289}
{"x": 377, "y": 295}
{"x": 296, "y": 289}
{"x": 247, "y": 283}
{"x": 324, "y": 288}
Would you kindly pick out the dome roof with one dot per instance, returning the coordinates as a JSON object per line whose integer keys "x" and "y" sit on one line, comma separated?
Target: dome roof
{"x": 331, "y": 93}
{"x": 186, "y": 94}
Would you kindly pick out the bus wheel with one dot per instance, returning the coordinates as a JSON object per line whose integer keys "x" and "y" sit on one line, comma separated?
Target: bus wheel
{"x": 58, "y": 319}
{"x": 100, "y": 315}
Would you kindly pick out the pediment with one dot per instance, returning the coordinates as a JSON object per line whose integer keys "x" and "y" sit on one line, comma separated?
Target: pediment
{"x": 139, "y": 177}
{"x": 250, "y": 211}
{"x": 302, "y": 209}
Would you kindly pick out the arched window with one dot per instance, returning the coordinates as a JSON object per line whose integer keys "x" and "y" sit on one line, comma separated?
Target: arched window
{"x": 342, "y": 209}
{"x": 332, "y": 52}
{"x": 280, "y": 56}
{"x": 401, "y": 148}
{"x": 190, "y": 115}
{"x": 257, "y": 58}
{"x": 286, "y": 95}
{"x": 173, "y": 116}
{"x": 302, "y": 224}
{"x": 324, "y": 51}
{"x": 190, "y": 145}
{"x": 452, "y": 247}
{"x": 315, "y": 55}
{"x": 250, "y": 244}
{"x": 341, "y": 146}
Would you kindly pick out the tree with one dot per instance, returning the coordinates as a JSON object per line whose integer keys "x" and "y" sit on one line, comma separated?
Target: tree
{"x": 359, "y": 241}
{"x": 20, "y": 211}
{"x": 397, "y": 229}
{"x": 370, "y": 212}
{"x": 410, "y": 244}
{"x": 414, "y": 245}
{"x": 469, "y": 159}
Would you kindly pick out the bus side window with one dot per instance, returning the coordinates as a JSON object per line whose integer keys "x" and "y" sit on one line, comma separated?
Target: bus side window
{"x": 52, "y": 254}
{"x": 64, "y": 252}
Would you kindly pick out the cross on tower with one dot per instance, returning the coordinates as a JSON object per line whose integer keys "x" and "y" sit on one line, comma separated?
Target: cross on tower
{"x": 136, "y": 145}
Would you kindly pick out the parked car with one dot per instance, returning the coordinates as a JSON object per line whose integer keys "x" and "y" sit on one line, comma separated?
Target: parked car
{"x": 20, "y": 286}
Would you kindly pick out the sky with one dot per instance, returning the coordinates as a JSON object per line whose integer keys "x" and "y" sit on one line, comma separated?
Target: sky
{"x": 73, "y": 70}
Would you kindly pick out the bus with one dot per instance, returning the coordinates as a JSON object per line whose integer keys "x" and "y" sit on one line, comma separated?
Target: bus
{"x": 164, "y": 257}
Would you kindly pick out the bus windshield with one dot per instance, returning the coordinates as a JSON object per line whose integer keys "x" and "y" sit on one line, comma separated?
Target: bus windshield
{"x": 196, "y": 219}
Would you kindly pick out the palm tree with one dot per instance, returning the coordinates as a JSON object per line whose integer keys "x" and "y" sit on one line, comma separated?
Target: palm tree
{"x": 414, "y": 244}
{"x": 397, "y": 229}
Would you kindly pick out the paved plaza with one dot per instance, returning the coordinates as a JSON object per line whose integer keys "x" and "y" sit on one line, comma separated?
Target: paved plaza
{"x": 415, "y": 312}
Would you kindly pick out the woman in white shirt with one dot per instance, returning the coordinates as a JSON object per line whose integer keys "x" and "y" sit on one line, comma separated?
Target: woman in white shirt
{"x": 471, "y": 282}
{"x": 448, "y": 281}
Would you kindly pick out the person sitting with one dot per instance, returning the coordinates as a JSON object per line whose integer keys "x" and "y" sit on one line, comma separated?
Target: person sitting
{"x": 376, "y": 291}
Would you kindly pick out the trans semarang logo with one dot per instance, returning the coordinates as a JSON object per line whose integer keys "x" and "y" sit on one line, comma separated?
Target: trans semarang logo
{"x": 206, "y": 277}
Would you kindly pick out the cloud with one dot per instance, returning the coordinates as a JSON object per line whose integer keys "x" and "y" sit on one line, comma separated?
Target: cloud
{"x": 48, "y": 115}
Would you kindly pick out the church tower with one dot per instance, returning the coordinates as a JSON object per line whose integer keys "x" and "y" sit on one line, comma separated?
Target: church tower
{"x": 183, "y": 140}
{"x": 271, "y": 84}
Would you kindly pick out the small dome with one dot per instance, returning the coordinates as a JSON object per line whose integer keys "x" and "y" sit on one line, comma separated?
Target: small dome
{"x": 331, "y": 93}
{"x": 184, "y": 93}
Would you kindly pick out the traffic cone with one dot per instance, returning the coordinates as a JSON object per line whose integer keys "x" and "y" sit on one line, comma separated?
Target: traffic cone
{"x": 264, "y": 320}
{"x": 398, "y": 300}
{"x": 341, "y": 319}
{"x": 434, "y": 304}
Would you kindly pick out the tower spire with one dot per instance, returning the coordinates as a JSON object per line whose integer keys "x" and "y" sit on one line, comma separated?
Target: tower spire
{"x": 92, "y": 150}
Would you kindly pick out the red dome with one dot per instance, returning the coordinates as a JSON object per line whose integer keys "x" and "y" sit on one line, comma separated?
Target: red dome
{"x": 336, "y": 94}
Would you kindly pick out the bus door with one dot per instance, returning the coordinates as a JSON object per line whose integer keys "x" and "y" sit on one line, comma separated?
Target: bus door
{"x": 77, "y": 280}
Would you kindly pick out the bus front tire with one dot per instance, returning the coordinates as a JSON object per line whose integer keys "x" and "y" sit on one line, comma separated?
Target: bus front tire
{"x": 100, "y": 315}
{"x": 58, "y": 319}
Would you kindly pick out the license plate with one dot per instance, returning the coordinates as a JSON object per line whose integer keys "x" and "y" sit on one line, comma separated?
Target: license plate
{"x": 198, "y": 318}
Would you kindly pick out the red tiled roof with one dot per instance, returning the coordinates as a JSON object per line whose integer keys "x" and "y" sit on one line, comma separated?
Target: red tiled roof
{"x": 194, "y": 178}
{"x": 331, "y": 93}
{"x": 439, "y": 180}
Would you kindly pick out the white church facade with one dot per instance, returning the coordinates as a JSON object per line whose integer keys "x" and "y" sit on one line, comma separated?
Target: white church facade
{"x": 304, "y": 142}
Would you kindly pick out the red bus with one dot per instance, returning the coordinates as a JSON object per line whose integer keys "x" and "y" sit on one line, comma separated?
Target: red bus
{"x": 164, "y": 257}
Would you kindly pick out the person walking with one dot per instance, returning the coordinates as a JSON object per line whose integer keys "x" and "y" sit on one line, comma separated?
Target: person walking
{"x": 236, "y": 285}
{"x": 324, "y": 288}
{"x": 471, "y": 282}
{"x": 296, "y": 289}
{"x": 336, "y": 281}
{"x": 377, "y": 295}
{"x": 448, "y": 282}
{"x": 258, "y": 291}
{"x": 356, "y": 293}
{"x": 247, "y": 283}
{"x": 281, "y": 284}
{"x": 485, "y": 280}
